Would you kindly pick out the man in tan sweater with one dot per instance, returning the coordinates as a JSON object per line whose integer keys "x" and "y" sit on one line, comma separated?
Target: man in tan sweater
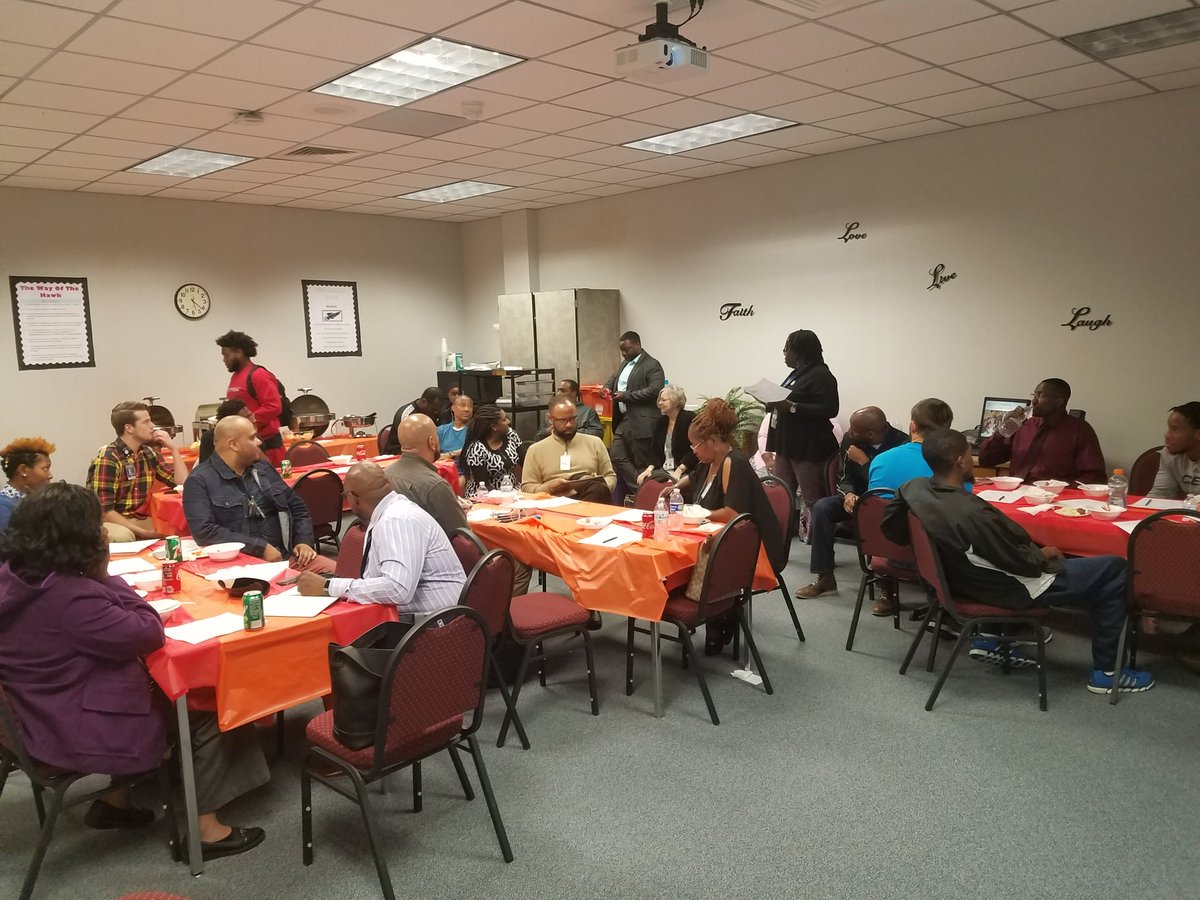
{"x": 566, "y": 463}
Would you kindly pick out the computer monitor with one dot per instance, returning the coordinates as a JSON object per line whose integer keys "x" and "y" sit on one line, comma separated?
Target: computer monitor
{"x": 994, "y": 409}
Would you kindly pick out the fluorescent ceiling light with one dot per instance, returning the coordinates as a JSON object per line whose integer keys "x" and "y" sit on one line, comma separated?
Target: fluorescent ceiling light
{"x": 418, "y": 71}
{"x": 712, "y": 133}
{"x": 459, "y": 190}
{"x": 1153, "y": 33}
{"x": 187, "y": 163}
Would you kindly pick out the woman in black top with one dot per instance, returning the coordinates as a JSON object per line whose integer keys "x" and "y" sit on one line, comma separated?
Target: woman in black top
{"x": 800, "y": 439}
{"x": 725, "y": 482}
{"x": 670, "y": 450}
{"x": 490, "y": 450}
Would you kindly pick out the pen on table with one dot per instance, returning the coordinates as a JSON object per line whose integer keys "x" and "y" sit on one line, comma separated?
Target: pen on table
{"x": 610, "y": 540}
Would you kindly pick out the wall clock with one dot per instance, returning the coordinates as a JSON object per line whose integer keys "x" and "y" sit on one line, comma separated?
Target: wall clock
{"x": 192, "y": 301}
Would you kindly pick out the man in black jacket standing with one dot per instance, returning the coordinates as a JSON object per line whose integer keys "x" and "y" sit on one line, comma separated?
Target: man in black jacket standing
{"x": 634, "y": 390}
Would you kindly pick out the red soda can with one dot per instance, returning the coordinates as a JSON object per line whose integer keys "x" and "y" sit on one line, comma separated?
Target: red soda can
{"x": 360, "y": 452}
{"x": 648, "y": 525}
{"x": 170, "y": 577}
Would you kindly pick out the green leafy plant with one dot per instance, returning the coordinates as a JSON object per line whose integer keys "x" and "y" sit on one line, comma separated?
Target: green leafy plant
{"x": 750, "y": 414}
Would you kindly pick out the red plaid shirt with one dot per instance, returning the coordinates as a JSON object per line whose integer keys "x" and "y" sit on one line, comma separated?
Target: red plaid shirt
{"x": 122, "y": 478}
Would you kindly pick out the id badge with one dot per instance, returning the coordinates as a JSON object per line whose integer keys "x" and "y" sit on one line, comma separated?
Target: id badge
{"x": 130, "y": 471}
{"x": 564, "y": 463}
{"x": 774, "y": 418}
{"x": 669, "y": 463}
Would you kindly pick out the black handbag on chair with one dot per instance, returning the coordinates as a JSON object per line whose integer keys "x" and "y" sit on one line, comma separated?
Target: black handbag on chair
{"x": 355, "y": 675}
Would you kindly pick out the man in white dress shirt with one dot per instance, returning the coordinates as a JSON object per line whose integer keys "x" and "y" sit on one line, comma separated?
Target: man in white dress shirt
{"x": 407, "y": 559}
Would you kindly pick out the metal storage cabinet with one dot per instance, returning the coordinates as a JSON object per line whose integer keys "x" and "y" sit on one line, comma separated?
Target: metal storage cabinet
{"x": 573, "y": 331}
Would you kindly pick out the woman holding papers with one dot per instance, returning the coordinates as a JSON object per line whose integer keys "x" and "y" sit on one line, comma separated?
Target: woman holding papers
{"x": 71, "y": 642}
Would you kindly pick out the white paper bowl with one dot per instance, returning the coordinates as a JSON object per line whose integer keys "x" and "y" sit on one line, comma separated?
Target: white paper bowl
{"x": 1095, "y": 491}
{"x": 694, "y": 514}
{"x": 223, "y": 552}
{"x": 1006, "y": 482}
{"x": 1054, "y": 487}
{"x": 1037, "y": 496}
{"x": 342, "y": 459}
{"x": 145, "y": 581}
{"x": 1108, "y": 515}
{"x": 164, "y": 607}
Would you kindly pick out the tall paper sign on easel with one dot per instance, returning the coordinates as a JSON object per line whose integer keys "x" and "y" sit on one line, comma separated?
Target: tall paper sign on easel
{"x": 331, "y": 318}
{"x": 52, "y": 322}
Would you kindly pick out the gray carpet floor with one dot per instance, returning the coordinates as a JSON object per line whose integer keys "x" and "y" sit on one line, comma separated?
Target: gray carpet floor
{"x": 838, "y": 785}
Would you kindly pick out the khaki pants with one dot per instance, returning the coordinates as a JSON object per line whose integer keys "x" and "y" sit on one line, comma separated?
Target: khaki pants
{"x": 119, "y": 534}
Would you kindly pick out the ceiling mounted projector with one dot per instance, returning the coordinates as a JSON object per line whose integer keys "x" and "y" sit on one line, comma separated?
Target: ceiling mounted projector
{"x": 662, "y": 53}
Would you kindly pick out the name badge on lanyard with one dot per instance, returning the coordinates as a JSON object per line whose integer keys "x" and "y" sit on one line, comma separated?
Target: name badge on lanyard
{"x": 669, "y": 463}
{"x": 130, "y": 471}
{"x": 564, "y": 462}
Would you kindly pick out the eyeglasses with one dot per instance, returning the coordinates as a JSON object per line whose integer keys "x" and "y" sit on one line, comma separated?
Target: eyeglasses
{"x": 565, "y": 419}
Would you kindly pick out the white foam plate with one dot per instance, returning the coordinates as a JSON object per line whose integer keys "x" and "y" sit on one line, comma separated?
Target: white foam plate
{"x": 1082, "y": 504}
{"x": 164, "y": 607}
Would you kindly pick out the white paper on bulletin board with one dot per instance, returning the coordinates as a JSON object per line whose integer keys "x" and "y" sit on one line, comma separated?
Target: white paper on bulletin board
{"x": 52, "y": 322}
{"x": 331, "y": 318}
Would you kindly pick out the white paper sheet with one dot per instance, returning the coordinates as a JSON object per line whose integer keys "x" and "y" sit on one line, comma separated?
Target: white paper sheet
{"x": 479, "y": 515}
{"x": 132, "y": 564}
{"x": 613, "y": 536}
{"x": 552, "y": 502}
{"x": 130, "y": 548}
{"x": 206, "y": 629}
{"x": 633, "y": 516}
{"x": 1155, "y": 503}
{"x": 291, "y": 604}
{"x": 1128, "y": 526}
{"x": 265, "y": 571}
{"x": 1034, "y": 510}
{"x": 768, "y": 391}
{"x": 710, "y": 527}
{"x": 1001, "y": 496}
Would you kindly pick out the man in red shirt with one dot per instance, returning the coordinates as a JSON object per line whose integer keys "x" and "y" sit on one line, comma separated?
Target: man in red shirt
{"x": 256, "y": 387}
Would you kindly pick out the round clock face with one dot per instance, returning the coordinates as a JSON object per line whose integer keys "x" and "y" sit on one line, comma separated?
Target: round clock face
{"x": 192, "y": 301}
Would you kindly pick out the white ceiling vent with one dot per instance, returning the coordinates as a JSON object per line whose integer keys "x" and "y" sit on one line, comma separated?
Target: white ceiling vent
{"x": 322, "y": 152}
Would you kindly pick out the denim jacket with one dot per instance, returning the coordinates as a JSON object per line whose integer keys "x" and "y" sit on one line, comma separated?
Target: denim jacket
{"x": 222, "y": 506}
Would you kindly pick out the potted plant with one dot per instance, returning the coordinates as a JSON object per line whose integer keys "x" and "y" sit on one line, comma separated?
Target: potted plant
{"x": 750, "y": 414}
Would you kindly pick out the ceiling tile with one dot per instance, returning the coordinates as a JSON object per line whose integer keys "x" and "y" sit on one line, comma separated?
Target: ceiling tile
{"x": 604, "y": 190}
{"x": 270, "y": 66}
{"x": 793, "y": 47}
{"x": 450, "y": 102}
{"x": 615, "y": 131}
{"x": 916, "y": 129}
{"x": 565, "y": 185}
{"x": 413, "y": 181}
{"x": 236, "y": 19}
{"x": 1021, "y": 61}
{"x": 46, "y": 119}
{"x": 674, "y": 163}
{"x": 47, "y": 184}
{"x": 242, "y": 173}
{"x": 428, "y": 16}
{"x": 323, "y": 108}
{"x": 613, "y": 156}
{"x": 537, "y": 80}
{"x": 615, "y": 174}
{"x": 556, "y": 146}
{"x": 727, "y": 22}
{"x": 253, "y": 199}
{"x": 597, "y": 56}
{"x": 1175, "y": 80}
{"x": 775, "y": 157}
{"x": 522, "y": 29}
{"x": 21, "y": 154}
{"x": 149, "y": 132}
{"x": 431, "y": 148}
{"x": 185, "y": 194}
{"x": 797, "y": 136}
{"x": 366, "y": 139}
{"x": 104, "y": 187}
{"x": 349, "y": 172}
{"x": 458, "y": 171}
{"x": 19, "y": 59}
{"x": 998, "y": 113}
{"x": 326, "y": 34}
{"x": 891, "y": 20}
{"x": 617, "y": 98}
{"x": 515, "y": 178}
{"x": 1096, "y": 95}
{"x": 505, "y": 159}
{"x": 861, "y": 67}
{"x": 136, "y": 178}
{"x": 1061, "y": 80}
{"x": 240, "y": 144}
{"x": 315, "y": 182}
{"x": 730, "y": 150}
{"x": 959, "y": 101}
{"x": 826, "y": 106}
{"x": 73, "y": 99}
{"x": 284, "y": 191}
{"x": 41, "y": 169}
{"x": 656, "y": 181}
{"x": 313, "y": 204}
{"x": 40, "y": 25}
{"x": 872, "y": 120}
{"x": 93, "y": 6}
{"x": 285, "y": 166}
{"x": 685, "y": 114}
{"x": 283, "y": 128}
{"x": 1061, "y": 17}
{"x": 118, "y": 39}
{"x": 850, "y": 142}
{"x": 105, "y": 74}
{"x": 109, "y": 147}
{"x": 224, "y": 92}
{"x": 393, "y": 162}
{"x": 990, "y": 35}
{"x": 1159, "y": 62}
{"x": 764, "y": 92}
{"x": 175, "y": 112}
{"x": 926, "y": 83}
{"x": 547, "y": 117}
{"x": 708, "y": 170}
{"x": 1014, "y": 4}
{"x": 560, "y": 168}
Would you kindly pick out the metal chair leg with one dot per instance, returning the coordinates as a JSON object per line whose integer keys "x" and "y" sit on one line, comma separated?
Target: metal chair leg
{"x": 541, "y": 663}
{"x": 516, "y": 692}
{"x": 937, "y": 636}
{"x": 1041, "y": 666}
{"x": 754, "y": 650}
{"x": 791, "y": 607}
{"x": 385, "y": 880}
{"x": 168, "y": 805}
{"x": 697, "y": 668}
{"x": 462, "y": 772}
{"x": 1119, "y": 661}
{"x": 937, "y": 688}
{"x": 629, "y": 657}
{"x": 6, "y": 766}
{"x": 862, "y": 591}
{"x": 418, "y": 803}
{"x": 508, "y": 705}
{"x": 39, "y": 804}
{"x": 493, "y": 808}
{"x": 39, "y": 854}
{"x": 306, "y": 829}
{"x": 591, "y": 671}
{"x": 912, "y": 649}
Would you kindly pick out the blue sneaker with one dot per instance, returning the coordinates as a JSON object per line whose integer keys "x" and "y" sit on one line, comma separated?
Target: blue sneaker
{"x": 988, "y": 651}
{"x": 1131, "y": 682}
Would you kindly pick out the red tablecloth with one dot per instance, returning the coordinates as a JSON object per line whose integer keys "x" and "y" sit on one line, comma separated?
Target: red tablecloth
{"x": 1082, "y": 536}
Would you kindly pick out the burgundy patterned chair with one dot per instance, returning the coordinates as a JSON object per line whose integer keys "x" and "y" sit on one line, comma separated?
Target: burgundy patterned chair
{"x": 381, "y": 440}
{"x": 970, "y": 615}
{"x": 350, "y": 553}
{"x": 1143, "y": 470}
{"x": 785, "y": 510}
{"x": 726, "y": 588}
{"x": 321, "y": 491}
{"x": 880, "y": 560}
{"x": 431, "y": 700}
{"x": 1163, "y": 580}
{"x": 648, "y": 494}
{"x": 307, "y": 453}
{"x": 470, "y": 551}
{"x": 42, "y": 778}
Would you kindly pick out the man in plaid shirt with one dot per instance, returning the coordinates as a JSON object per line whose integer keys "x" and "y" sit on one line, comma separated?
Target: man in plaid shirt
{"x": 123, "y": 473}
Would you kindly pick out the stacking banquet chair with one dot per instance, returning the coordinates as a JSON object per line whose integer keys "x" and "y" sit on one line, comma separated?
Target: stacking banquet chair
{"x": 321, "y": 490}
{"x": 42, "y": 778}
{"x": 726, "y": 589}
{"x": 350, "y": 553}
{"x": 381, "y": 440}
{"x": 1163, "y": 578}
{"x": 470, "y": 551}
{"x": 431, "y": 699}
{"x": 307, "y": 453}
{"x": 1143, "y": 470}
{"x": 785, "y": 510}
{"x": 488, "y": 591}
{"x": 648, "y": 494}
{"x": 877, "y": 556}
{"x": 970, "y": 615}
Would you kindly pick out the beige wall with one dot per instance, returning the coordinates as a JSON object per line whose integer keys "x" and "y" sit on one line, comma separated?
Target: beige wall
{"x": 1097, "y": 206}
{"x": 136, "y": 251}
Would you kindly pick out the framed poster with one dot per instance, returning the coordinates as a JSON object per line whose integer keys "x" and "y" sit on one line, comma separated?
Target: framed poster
{"x": 52, "y": 322}
{"x": 331, "y": 318}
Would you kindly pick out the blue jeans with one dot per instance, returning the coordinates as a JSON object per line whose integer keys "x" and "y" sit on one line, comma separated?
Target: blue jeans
{"x": 1097, "y": 584}
{"x": 823, "y": 521}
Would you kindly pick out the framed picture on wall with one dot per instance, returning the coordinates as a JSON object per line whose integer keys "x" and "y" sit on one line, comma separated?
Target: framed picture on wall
{"x": 52, "y": 322}
{"x": 331, "y": 318}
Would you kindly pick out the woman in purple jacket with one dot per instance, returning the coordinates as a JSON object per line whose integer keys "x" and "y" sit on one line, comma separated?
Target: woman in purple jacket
{"x": 72, "y": 639}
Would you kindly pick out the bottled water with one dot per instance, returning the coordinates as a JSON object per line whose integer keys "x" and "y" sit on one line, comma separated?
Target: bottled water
{"x": 506, "y": 483}
{"x": 1118, "y": 487}
{"x": 661, "y": 515}
{"x": 675, "y": 507}
{"x": 481, "y": 490}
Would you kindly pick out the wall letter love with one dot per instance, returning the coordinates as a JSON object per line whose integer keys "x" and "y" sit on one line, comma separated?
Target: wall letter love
{"x": 852, "y": 233}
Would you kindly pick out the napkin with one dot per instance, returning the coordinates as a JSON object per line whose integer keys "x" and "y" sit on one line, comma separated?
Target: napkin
{"x": 1127, "y": 526}
{"x": 1034, "y": 510}
{"x": 202, "y": 630}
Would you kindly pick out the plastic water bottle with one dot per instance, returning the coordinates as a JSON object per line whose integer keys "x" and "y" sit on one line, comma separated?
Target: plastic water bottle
{"x": 481, "y": 491}
{"x": 1118, "y": 487}
{"x": 661, "y": 515}
{"x": 506, "y": 483}
{"x": 675, "y": 506}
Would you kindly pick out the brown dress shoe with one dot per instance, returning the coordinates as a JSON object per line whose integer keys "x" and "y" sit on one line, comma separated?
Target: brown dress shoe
{"x": 888, "y": 603}
{"x": 823, "y": 584}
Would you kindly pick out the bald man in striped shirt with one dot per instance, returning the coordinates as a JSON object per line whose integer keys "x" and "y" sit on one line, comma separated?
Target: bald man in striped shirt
{"x": 407, "y": 559}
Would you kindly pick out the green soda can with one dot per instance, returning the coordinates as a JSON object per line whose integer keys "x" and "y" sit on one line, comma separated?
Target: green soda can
{"x": 252, "y": 611}
{"x": 285, "y": 469}
{"x": 174, "y": 551}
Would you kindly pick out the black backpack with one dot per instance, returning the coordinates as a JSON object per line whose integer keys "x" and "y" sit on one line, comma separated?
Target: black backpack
{"x": 285, "y": 412}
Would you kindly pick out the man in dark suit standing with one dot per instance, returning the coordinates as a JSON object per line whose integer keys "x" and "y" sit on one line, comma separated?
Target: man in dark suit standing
{"x": 634, "y": 390}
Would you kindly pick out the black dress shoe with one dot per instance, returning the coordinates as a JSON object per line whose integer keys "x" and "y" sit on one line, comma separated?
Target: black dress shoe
{"x": 103, "y": 815}
{"x": 239, "y": 841}
{"x": 594, "y": 621}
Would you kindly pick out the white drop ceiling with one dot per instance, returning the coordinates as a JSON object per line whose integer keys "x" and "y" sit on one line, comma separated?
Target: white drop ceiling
{"x": 89, "y": 88}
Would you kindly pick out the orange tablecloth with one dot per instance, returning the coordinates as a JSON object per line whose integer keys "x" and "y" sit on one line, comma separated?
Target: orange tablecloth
{"x": 1082, "y": 536}
{"x": 334, "y": 446}
{"x": 630, "y": 580}
{"x": 247, "y": 675}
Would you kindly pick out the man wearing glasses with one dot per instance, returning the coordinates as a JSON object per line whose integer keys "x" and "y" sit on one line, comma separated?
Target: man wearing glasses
{"x": 567, "y": 463}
